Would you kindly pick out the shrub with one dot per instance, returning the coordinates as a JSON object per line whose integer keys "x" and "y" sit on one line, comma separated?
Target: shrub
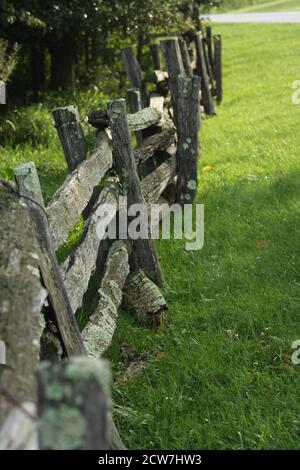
{"x": 34, "y": 124}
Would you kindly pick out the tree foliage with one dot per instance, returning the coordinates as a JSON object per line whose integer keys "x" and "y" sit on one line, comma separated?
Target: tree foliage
{"x": 73, "y": 31}
{"x": 8, "y": 59}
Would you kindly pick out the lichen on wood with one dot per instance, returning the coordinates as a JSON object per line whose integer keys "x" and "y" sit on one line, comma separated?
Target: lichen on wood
{"x": 147, "y": 117}
{"x": 22, "y": 299}
{"x": 137, "y": 121}
{"x": 144, "y": 299}
{"x": 73, "y": 196}
{"x": 61, "y": 312}
{"x": 100, "y": 328}
{"x": 188, "y": 141}
{"x": 130, "y": 183}
{"x": 74, "y": 404}
{"x": 79, "y": 266}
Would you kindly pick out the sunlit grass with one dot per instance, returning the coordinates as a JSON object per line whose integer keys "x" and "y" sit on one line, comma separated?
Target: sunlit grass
{"x": 270, "y": 6}
{"x": 225, "y": 379}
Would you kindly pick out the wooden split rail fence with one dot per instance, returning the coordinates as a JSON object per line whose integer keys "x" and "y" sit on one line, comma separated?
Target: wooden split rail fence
{"x": 69, "y": 407}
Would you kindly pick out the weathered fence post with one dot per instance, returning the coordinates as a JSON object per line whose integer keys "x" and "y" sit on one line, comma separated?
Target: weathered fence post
{"x": 126, "y": 167}
{"x": 209, "y": 45}
{"x": 174, "y": 65}
{"x": 185, "y": 57}
{"x": 134, "y": 73}
{"x": 202, "y": 72}
{"x": 67, "y": 123}
{"x": 207, "y": 63}
{"x": 187, "y": 131}
{"x": 30, "y": 189}
{"x": 154, "y": 49}
{"x": 73, "y": 404}
{"x": 22, "y": 299}
{"x": 218, "y": 67}
{"x": 134, "y": 100}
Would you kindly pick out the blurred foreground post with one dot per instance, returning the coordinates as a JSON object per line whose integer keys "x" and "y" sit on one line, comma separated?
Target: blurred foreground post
{"x": 22, "y": 299}
{"x": 73, "y": 404}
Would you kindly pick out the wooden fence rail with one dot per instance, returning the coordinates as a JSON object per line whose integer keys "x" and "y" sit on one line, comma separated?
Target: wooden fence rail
{"x": 41, "y": 296}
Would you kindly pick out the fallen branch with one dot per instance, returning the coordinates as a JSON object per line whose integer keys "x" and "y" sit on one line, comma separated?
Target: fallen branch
{"x": 144, "y": 298}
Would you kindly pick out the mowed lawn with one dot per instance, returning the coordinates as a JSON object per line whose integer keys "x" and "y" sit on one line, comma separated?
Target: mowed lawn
{"x": 220, "y": 375}
{"x": 272, "y": 5}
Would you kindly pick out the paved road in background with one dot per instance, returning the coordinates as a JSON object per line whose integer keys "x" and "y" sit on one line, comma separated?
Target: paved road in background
{"x": 278, "y": 17}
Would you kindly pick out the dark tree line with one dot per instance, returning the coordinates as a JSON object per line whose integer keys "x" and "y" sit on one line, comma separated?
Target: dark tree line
{"x": 85, "y": 31}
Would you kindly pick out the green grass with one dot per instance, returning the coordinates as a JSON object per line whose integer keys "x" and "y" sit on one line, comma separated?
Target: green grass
{"x": 207, "y": 390}
{"x": 28, "y": 133}
{"x": 271, "y": 6}
{"x": 219, "y": 375}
